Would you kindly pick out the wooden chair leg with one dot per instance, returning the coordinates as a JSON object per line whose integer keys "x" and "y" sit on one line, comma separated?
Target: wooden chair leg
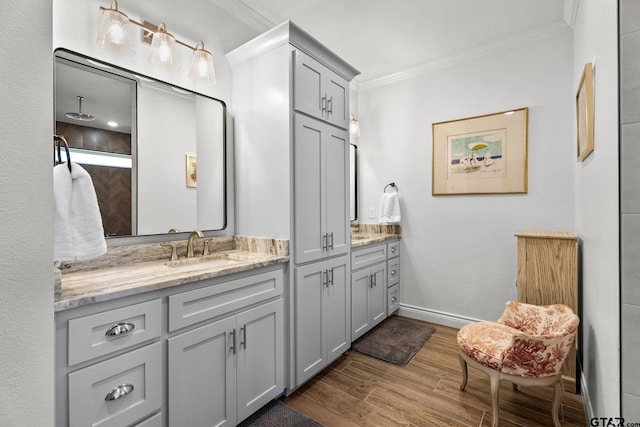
{"x": 494, "y": 379}
{"x": 558, "y": 391}
{"x": 463, "y": 365}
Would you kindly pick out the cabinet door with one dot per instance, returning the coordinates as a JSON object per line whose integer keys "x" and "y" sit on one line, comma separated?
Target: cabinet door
{"x": 260, "y": 357}
{"x": 337, "y": 309}
{"x": 309, "y": 96}
{"x": 360, "y": 284}
{"x": 378, "y": 294}
{"x": 309, "y": 196}
{"x": 311, "y": 281}
{"x": 202, "y": 376}
{"x": 337, "y": 93}
{"x": 337, "y": 191}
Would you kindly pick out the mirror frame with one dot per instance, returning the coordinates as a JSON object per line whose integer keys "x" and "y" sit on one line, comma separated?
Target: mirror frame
{"x": 120, "y": 71}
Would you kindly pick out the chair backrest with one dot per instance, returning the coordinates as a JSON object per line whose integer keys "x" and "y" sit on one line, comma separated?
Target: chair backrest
{"x": 545, "y": 338}
{"x": 551, "y": 321}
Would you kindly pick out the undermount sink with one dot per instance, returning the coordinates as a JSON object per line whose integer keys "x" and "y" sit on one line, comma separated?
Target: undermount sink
{"x": 217, "y": 258}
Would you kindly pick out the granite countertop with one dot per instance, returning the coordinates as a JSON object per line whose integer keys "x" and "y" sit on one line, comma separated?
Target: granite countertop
{"x": 84, "y": 286}
{"x": 367, "y": 234}
{"x": 363, "y": 239}
{"x": 114, "y": 275}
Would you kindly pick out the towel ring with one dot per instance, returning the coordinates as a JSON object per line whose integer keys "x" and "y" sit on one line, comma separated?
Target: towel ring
{"x": 392, "y": 185}
{"x": 56, "y": 144}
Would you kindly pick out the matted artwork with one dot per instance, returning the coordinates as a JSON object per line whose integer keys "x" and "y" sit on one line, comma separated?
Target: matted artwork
{"x": 584, "y": 113}
{"x": 481, "y": 155}
{"x": 191, "y": 168}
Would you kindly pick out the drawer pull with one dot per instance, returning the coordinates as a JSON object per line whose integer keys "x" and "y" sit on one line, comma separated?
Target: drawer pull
{"x": 394, "y": 249}
{"x": 393, "y": 272}
{"x": 121, "y": 391}
{"x": 119, "y": 329}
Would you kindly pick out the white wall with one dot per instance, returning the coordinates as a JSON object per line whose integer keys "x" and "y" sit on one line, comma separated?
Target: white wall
{"x": 596, "y": 209}
{"x": 26, "y": 216}
{"x": 459, "y": 252}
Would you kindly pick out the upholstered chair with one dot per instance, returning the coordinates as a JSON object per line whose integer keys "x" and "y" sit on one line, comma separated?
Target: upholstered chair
{"x": 526, "y": 346}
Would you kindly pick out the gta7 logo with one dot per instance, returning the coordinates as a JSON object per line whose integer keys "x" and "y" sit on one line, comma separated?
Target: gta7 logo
{"x": 611, "y": 422}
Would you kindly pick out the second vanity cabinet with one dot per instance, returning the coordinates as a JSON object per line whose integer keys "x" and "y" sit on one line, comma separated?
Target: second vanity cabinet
{"x": 375, "y": 285}
{"x": 204, "y": 353}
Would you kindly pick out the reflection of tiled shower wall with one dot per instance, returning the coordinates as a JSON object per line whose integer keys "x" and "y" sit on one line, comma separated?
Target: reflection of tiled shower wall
{"x": 630, "y": 204}
{"x": 113, "y": 185}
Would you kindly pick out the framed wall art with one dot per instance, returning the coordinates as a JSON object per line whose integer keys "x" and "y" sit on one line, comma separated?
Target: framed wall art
{"x": 584, "y": 113}
{"x": 191, "y": 171}
{"x": 481, "y": 155}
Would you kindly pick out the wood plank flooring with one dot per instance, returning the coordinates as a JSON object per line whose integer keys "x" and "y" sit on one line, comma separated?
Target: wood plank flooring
{"x": 359, "y": 390}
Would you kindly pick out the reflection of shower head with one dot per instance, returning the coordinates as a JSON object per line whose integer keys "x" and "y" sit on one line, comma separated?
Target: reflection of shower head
{"x": 80, "y": 115}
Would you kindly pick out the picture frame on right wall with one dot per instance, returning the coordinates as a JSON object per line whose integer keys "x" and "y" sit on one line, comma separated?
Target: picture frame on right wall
{"x": 584, "y": 113}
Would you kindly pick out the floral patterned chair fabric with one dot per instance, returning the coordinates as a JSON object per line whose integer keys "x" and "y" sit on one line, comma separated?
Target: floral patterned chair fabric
{"x": 527, "y": 345}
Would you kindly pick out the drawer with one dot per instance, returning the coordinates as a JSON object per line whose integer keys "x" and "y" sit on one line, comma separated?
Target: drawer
{"x": 103, "y": 333}
{"x": 189, "y": 308}
{"x": 154, "y": 421}
{"x": 393, "y": 271}
{"x": 93, "y": 397}
{"x": 393, "y": 299}
{"x": 367, "y": 256}
{"x": 393, "y": 249}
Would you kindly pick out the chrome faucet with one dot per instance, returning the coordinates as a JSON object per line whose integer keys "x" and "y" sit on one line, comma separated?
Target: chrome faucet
{"x": 192, "y": 236}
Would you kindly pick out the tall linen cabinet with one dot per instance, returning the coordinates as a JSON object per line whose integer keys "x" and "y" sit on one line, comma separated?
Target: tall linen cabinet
{"x": 291, "y": 148}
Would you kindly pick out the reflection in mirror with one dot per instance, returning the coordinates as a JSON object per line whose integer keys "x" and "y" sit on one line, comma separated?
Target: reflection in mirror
{"x": 353, "y": 179}
{"x": 155, "y": 152}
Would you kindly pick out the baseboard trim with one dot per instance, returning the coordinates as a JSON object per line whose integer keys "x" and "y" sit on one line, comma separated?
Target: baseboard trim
{"x": 434, "y": 316}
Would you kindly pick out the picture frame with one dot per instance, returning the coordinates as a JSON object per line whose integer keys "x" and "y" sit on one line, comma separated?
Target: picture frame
{"x": 584, "y": 114}
{"x": 481, "y": 155}
{"x": 191, "y": 170}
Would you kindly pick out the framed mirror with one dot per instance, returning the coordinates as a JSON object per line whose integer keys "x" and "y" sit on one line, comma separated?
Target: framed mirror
{"x": 156, "y": 153}
{"x": 353, "y": 182}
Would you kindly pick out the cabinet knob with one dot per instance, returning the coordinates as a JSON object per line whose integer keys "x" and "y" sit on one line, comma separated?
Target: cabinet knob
{"x": 393, "y": 272}
{"x": 119, "y": 329}
{"x": 394, "y": 249}
{"x": 393, "y": 299}
{"x": 121, "y": 391}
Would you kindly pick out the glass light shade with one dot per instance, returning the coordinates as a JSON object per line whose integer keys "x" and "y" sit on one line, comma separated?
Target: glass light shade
{"x": 202, "y": 69}
{"x": 114, "y": 32}
{"x": 354, "y": 126}
{"x": 163, "y": 50}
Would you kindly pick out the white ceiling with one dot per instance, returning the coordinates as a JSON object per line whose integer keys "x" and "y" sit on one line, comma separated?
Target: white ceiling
{"x": 384, "y": 38}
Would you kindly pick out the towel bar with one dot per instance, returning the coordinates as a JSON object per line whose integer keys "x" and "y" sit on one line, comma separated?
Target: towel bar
{"x": 392, "y": 185}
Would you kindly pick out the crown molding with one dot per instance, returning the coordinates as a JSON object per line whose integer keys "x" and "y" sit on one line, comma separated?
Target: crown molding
{"x": 506, "y": 43}
{"x": 245, "y": 14}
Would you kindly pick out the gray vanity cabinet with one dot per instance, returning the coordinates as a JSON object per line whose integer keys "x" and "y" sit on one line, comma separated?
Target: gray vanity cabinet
{"x": 222, "y": 372}
{"x": 368, "y": 296}
{"x": 321, "y": 171}
{"x": 375, "y": 285}
{"x": 393, "y": 280}
{"x": 322, "y": 307}
{"x": 210, "y": 352}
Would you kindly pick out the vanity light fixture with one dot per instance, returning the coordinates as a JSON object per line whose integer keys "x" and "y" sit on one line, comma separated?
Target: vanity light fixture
{"x": 114, "y": 34}
{"x": 354, "y": 126}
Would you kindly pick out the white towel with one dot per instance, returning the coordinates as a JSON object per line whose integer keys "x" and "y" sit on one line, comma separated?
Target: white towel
{"x": 390, "y": 208}
{"x": 77, "y": 232}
